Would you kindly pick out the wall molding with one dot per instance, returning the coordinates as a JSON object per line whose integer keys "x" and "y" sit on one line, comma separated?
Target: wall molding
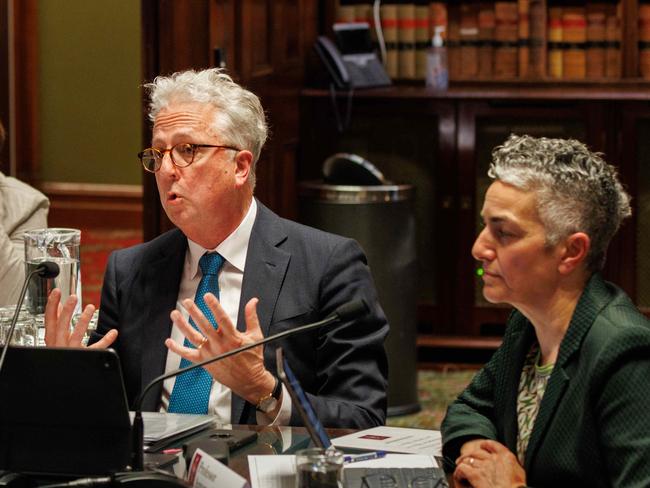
{"x": 93, "y": 205}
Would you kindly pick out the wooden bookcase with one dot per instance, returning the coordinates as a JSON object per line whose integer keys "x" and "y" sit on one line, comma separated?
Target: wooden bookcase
{"x": 441, "y": 143}
{"x": 514, "y": 39}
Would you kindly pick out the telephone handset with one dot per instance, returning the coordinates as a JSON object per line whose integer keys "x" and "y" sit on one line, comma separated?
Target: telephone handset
{"x": 333, "y": 62}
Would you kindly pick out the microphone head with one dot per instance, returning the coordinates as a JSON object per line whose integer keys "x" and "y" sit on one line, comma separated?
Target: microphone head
{"x": 48, "y": 269}
{"x": 352, "y": 310}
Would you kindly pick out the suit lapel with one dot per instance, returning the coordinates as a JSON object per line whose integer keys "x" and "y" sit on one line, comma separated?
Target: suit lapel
{"x": 588, "y": 308}
{"x": 161, "y": 284}
{"x": 266, "y": 267}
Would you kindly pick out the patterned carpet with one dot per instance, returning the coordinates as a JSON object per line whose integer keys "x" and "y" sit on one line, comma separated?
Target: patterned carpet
{"x": 436, "y": 390}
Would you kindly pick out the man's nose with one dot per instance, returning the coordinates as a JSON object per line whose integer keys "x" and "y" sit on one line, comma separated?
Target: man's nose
{"x": 166, "y": 164}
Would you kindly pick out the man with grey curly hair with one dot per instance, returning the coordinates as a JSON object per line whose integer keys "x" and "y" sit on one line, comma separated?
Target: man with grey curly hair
{"x": 232, "y": 273}
{"x": 563, "y": 400}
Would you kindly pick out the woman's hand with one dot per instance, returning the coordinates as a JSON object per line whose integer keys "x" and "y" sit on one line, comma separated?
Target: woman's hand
{"x": 488, "y": 464}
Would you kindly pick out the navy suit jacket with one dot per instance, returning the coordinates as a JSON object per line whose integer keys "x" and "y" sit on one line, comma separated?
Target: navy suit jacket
{"x": 300, "y": 275}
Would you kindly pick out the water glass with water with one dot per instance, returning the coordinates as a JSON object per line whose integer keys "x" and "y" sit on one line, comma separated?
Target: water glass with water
{"x": 319, "y": 468}
{"x": 62, "y": 247}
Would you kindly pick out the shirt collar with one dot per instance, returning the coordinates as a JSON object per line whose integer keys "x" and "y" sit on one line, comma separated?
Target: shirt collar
{"x": 233, "y": 248}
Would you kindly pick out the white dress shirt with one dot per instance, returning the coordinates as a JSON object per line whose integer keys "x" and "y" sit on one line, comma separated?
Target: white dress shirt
{"x": 234, "y": 250}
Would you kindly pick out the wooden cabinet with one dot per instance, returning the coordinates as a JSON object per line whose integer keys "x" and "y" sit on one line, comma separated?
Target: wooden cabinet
{"x": 441, "y": 143}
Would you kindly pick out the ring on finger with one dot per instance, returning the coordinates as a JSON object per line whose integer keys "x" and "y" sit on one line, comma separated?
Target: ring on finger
{"x": 471, "y": 461}
{"x": 205, "y": 339}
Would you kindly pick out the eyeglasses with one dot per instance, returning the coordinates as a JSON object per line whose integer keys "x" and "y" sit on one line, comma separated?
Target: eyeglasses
{"x": 182, "y": 155}
{"x": 384, "y": 480}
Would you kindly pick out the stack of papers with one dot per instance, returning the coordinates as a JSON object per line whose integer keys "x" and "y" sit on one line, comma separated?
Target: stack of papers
{"x": 393, "y": 439}
{"x": 161, "y": 429}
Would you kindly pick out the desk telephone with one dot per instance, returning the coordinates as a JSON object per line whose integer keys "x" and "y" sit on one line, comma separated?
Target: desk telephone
{"x": 355, "y": 65}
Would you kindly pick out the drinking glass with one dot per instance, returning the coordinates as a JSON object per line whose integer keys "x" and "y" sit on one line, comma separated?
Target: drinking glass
{"x": 25, "y": 332}
{"x": 319, "y": 468}
{"x": 62, "y": 247}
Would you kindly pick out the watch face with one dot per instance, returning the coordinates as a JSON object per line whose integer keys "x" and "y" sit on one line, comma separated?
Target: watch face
{"x": 268, "y": 404}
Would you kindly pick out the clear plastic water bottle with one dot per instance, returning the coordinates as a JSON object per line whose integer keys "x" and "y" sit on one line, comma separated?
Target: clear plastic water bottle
{"x": 437, "y": 68}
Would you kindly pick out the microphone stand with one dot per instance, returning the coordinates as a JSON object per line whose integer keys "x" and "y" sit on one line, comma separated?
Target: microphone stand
{"x": 46, "y": 269}
{"x": 345, "y": 312}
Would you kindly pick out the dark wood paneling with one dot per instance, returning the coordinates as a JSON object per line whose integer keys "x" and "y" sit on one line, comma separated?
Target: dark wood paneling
{"x": 4, "y": 82}
{"x": 26, "y": 90}
{"x": 18, "y": 32}
{"x": 265, "y": 43}
{"x": 82, "y": 205}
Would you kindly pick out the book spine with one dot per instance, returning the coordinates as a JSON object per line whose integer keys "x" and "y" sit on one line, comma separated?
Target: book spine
{"x": 469, "y": 40}
{"x": 574, "y": 34}
{"x": 363, "y": 13}
{"x": 346, "y": 11}
{"x": 595, "y": 41}
{"x": 437, "y": 18}
{"x": 613, "y": 38}
{"x": 524, "y": 37}
{"x": 644, "y": 40}
{"x": 506, "y": 35}
{"x": 406, "y": 41}
{"x": 389, "y": 27}
{"x": 537, "y": 21}
{"x": 453, "y": 40}
{"x": 422, "y": 38}
{"x": 486, "y": 39}
{"x": 555, "y": 42}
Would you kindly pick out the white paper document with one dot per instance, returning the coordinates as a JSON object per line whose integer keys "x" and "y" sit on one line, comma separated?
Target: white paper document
{"x": 393, "y": 439}
{"x": 280, "y": 471}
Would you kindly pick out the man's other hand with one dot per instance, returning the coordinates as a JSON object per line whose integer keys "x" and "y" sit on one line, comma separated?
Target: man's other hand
{"x": 57, "y": 323}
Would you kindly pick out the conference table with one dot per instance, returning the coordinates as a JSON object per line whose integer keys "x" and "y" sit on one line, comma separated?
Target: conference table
{"x": 276, "y": 440}
{"x": 270, "y": 441}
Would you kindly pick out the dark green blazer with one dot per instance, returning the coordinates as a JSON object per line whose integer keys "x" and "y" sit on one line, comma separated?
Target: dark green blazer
{"x": 593, "y": 426}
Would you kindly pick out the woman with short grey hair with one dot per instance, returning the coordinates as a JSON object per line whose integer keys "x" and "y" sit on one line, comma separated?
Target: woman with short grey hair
{"x": 562, "y": 402}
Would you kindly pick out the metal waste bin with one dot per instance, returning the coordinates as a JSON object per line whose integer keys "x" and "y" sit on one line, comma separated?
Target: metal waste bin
{"x": 381, "y": 219}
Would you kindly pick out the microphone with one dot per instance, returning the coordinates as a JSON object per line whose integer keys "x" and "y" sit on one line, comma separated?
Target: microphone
{"x": 345, "y": 312}
{"x": 46, "y": 269}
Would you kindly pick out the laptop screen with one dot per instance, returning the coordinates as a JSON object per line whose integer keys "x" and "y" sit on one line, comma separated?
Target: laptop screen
{"x": 300, "y": 401}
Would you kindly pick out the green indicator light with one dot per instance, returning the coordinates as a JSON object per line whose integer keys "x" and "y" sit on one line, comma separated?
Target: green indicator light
{"x": 479, "y": 272}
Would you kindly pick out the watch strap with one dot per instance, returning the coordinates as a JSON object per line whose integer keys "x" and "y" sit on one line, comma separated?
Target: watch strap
{"x": 275, "y": 394}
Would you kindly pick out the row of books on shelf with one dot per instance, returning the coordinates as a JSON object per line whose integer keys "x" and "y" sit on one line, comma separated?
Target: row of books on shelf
{"x": 515, "y": 39}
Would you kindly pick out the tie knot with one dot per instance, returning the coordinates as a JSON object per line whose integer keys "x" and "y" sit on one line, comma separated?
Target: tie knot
{"x": 210, "y": 263}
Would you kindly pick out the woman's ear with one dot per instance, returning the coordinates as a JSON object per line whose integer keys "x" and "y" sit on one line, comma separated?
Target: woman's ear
{"x": 575, "y": 250}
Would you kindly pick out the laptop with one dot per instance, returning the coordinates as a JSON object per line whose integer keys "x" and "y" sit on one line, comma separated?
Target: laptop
{"x": 63, "y": 411}
{"x": 354, "y": 477}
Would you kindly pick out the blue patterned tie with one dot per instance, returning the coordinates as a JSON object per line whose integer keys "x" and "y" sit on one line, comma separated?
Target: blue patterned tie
{"x": 191, "y": 391}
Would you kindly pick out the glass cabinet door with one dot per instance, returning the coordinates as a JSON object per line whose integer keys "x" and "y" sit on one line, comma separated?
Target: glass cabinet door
{"x": 635, "y": 175}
